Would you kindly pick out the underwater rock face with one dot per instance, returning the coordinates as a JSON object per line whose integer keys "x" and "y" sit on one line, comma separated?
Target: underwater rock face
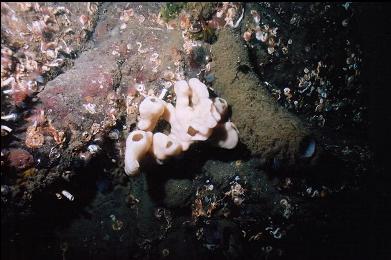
{"x": 83, "y": 95}
{"x": 178, "y": 193}
{"x": 265, "y": 128}
{"x": 220, "y": 173}
{"x": 210, "y": 203}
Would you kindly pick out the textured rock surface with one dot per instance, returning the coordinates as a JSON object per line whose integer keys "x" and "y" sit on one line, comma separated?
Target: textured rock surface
{"x": 265, "y": 128}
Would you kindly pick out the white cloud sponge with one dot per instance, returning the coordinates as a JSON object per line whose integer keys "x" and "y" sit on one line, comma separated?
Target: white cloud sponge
{"x": 195, "y": 117}
{"x": 150, "y": 111}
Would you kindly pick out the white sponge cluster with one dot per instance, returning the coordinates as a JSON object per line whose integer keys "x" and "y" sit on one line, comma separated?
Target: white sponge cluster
{"x": 194, "y": 118}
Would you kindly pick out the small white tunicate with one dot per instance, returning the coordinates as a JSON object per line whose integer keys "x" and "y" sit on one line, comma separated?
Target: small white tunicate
{"x": 68, "y": 195}
{"x": 10, "y": 117}
{"x": 93, "y": 148}
{"x": 6, "y": 128}
{"x": 8, "y": 91}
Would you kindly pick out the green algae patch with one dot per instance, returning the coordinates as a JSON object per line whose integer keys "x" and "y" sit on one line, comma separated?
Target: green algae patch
{"x": 201, "y": 10}
{"x": 265, "y": 128}
{"x": 171, "y": 10}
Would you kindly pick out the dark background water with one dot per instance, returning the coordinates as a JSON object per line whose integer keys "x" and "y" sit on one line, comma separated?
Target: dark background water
{"x": 376, "y": 37}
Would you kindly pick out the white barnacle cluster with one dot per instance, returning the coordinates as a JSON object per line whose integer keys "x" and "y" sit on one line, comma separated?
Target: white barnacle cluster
{"x": 195, "y": 117}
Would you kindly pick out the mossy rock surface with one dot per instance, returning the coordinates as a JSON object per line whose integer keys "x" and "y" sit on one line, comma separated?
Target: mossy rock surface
{"x": 178, "y": 193}
{"x": 220, "y": 173}
{"x": 265, "y": 128}
{"x": 171, "y": 10}
{"x": 201, "y": 10}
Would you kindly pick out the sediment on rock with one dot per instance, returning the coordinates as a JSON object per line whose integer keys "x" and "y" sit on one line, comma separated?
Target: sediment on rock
{"x": 266, "y": 129}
